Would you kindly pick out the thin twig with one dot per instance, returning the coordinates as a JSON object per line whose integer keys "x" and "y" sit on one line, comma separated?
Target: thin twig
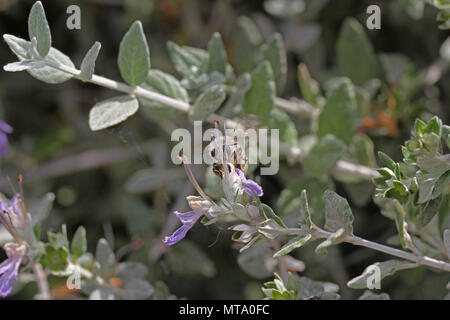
{"x": 42, "y": 284}
{"x": 419, "y": 259}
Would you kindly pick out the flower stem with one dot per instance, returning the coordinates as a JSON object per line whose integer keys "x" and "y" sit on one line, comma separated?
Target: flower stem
{"x": 42, "y": 284}
{"x": 419, "y": 259}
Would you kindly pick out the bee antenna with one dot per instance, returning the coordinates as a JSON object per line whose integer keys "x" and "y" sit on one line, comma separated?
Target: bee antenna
{"x": 20, "y": 179}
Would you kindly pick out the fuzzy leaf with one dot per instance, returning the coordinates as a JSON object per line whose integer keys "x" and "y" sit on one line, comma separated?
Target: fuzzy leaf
{"x": 295, "y": 243}
{"x": 166, "y": 84}
{"x": 105, "y": 256}
{"x": 270, "y": 228}
{"x": 245, "y": 43}
{"x": 279, "y": 119}
{"x": 136, "y": 289}
{"x": 23, "y": 65}
{"x": 388, "y": 162}
{"x": 110, "y": 112}
{"x": 132, "y": 270}
{"x": 386, "y": 268}
{"x": 273, "y": 51}
{"x": 447, "y": 241}
{"x": 260, "y": 98}
{"x": 79, "y": 243}
{"x": 217, "y": 55}
{"x": 308, "y": 86}
{"x": 338, "y": 116}
{"x": 38, "y": 27}
{"x": 324, "y": 155}
{"x": 207, "y": 103}
{"x": 355, "y": 55}
{"x": 304, "y": 209}
{"x": 134, "y": 55}
{"x": 21, "y": 48}
{"x": 186, "y": 60}
{"x": 338, "y": 213}
{"x": 334, "y": 238}
{"x": 88, "y": 64}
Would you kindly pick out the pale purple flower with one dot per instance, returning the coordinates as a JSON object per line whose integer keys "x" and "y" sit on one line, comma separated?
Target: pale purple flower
{"x": 4, "y": 130}
{"x": 14, "y": 212}
{"x": 199, "y": 208}
{"x": 9, "y": 269}
{"x": 188, "y": 219}
{"x": 249, "y": 186}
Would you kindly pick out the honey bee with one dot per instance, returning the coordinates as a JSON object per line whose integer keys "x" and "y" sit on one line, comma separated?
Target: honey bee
{"x": 233, "y": 151}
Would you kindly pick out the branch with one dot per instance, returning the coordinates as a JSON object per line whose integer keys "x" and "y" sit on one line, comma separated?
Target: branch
{"x": 318, "y": 233}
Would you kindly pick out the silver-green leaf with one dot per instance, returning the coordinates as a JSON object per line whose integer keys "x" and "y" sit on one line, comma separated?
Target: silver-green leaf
{"x": 88, "y": 64}
{"x": 270, "y": 228}
{"x": 207, "y": 103}
{"x": 134, "y": 55}
{"x": 274, "y": 52}
{"x": 187, "y": 60}
{"x": 110, "y": 112}
{"x": 295, "y": 243}
{"x": 338, "y": 116}
{"x": 447, "y": 241}
{"x": 324, "y": 155}
{"x": 21, "y": 48}
{"x": 23, "y": 65}
{"x": 166, "y": 84}
{"x": 385, "y": 268}
{"x": 105, "y": 256}
{"x": 334, "y": 238}
{"x": 79, "y": 243}
{"x": 305, "y": 215}
{"x": 260, "y": 98}
{"x": 355, "y": 54}
{"x": 38, "y": 27}
{"x": 136, "y": 289}
{"x": 338, "y": 213}
{"x": 217, "y": 55}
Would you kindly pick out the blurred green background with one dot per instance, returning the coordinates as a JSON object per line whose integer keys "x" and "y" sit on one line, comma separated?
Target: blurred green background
{"x": 92, "y": 173}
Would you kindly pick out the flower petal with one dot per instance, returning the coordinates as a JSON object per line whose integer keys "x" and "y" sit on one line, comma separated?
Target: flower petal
{"x": 10, "y": 274}
{"x": 178, "y": 235}
{"x": 5, "y": 127}
{"x": 250, "y": 186}
{"x": 189, "y": 217}
{"x": 3, "y": 144}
